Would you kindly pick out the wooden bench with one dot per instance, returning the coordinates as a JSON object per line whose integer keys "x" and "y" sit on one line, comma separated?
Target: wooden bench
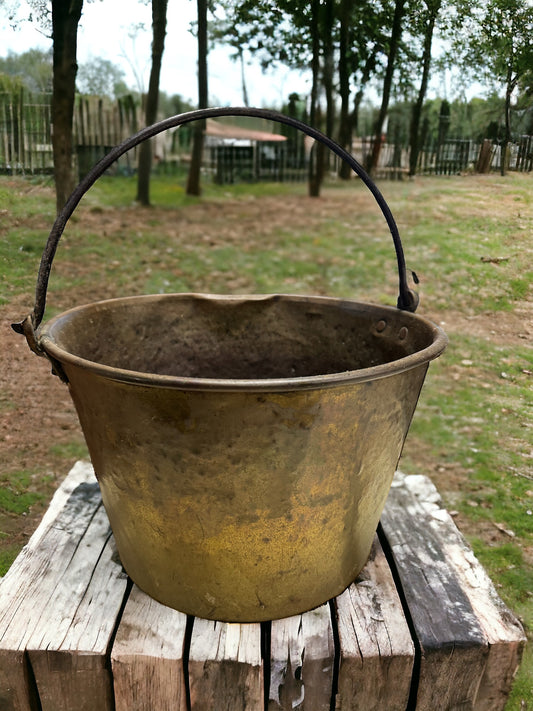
{"x": 421, "y": 628}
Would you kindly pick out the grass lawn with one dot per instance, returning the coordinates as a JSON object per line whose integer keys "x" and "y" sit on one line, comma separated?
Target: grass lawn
{"x": 468, "y": 238}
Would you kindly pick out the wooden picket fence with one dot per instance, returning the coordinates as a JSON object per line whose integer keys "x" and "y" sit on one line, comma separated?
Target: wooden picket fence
{"x": 26, "y": 131}
{"x": 100, "y": 124}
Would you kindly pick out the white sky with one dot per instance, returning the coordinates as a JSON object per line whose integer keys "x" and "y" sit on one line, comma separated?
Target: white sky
{"x": 105, "y": 31}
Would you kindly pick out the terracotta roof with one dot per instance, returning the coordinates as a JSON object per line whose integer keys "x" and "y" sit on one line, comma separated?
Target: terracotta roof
{"x": 224, "y": 130}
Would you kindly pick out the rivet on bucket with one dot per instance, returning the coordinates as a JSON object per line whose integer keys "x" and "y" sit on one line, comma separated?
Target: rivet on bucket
{"x": 244, "y": 445}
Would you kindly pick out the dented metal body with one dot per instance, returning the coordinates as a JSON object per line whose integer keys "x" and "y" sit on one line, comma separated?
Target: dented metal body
{"x": 244, "y": 446}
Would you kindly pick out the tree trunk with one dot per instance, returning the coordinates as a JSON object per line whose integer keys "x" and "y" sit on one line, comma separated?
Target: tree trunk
{"x": 159, "y": 27}
{"x": 243, "y": 78}
{"x": 395, "y": 37}
{"x": 316, "y": 159}
{"x": 444, "y": 125}
{"x": 327, "y": 72}
{"x": 353, "y": 119}
{"x": 345, "y": 123}
{"x": 419, "y": 103}
{"x": 65, "y": 19}
{"x": 365, "y": 78}
{"x": 507, "y": 135}
{"x": 193, "y": 180}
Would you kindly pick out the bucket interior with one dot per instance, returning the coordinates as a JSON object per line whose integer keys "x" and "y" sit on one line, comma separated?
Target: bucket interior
{"x": 249, "y": 338}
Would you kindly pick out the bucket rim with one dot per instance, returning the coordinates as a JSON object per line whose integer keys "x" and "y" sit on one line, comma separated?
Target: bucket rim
{"x": 58, "y": 353}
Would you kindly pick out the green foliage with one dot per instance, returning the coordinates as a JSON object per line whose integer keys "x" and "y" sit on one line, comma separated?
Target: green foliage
{"x": 475, "y": 119}
{"x": 100, "y": 77}
{"x": 501, "y": 41}
{"x": 272, "y": 31}
{"x": 170, "y": 105}
{"x": 283, "y": 32}
{"x": 32, "y": 69}
{"x": 10, "y": 84}
{"x": 496, "y": 40}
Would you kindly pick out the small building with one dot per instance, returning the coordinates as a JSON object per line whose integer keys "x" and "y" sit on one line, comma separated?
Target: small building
{"x": 237, "y": 154}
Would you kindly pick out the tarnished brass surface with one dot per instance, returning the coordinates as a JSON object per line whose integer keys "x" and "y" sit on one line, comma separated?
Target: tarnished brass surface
{"x": 244, "y": 446}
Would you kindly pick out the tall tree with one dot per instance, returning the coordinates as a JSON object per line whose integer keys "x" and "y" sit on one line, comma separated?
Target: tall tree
{"x": 427, "y": 19}
{"x": 345, "y": 125}
{"x": 362, "y": 29}
{"x": 294, "y": 34}
{"x": 65, "y": 19}
{"x": 316, "y": 160}
{"x": 193, "y": 179}
{"x": 61, "y": 19}
{"x": 326, "y": 33}
{"x": 394, "y": 43}
{"x": 159, "y": 28}
{"x": 245, "y": 100}
{"x": 499, "y": 41}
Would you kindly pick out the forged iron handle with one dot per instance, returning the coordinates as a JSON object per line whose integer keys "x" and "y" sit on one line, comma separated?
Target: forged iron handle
{"x": 407, "y": 299}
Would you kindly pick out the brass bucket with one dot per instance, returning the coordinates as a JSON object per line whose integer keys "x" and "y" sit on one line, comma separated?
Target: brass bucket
{"x": 244, "y": 445}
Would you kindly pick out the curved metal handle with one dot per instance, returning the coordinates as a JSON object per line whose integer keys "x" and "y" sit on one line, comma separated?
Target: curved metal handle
{"x": 407, "y": 299}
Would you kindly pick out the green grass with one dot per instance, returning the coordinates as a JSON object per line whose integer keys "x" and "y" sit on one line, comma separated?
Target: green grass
{"x": 479, "y": 256}
{"x": 168, "y": 191}
{"x": 469, "y": 241}
{"x": 445, "y": 246}
{"x": 476, "y": 412}
{"x": 505, "y": 562}
{"x": 521, "y": 695}
{"x": 7, "y": 556}
{"x": 70, "y": 450}
{"x": 18, "y": 256}
{"x": 17, "y": 494}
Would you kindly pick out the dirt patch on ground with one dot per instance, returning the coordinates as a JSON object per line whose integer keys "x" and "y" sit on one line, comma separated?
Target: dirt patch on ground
{"x": 36, "y": 418}
{"x": 504, "y": 328}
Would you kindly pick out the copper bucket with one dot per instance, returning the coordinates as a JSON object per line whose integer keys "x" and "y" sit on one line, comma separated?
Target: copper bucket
{"x": 244, "y": 445}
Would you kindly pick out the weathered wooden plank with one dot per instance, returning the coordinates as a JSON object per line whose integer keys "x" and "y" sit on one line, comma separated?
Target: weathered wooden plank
{"x": 59, "y": 603}
{"x": 302, "y": 656}
{"x": 470, "y": 643}
{"x": 147, "y": 657}
{"x": 376, "y": 650}
{"x": 17, "y": 689}
{"x": 504, "y": 633}
{"x": 452, "y": 644}
{"x": 225, "y": 667}
{"x": 68, "y": 650}
{"x": 27, "y": 571}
